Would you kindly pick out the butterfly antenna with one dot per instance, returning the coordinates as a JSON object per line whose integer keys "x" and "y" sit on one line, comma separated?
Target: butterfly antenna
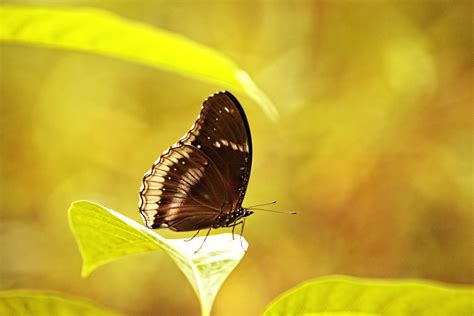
{"x": 268, "y": 203}
{"x": 272, "y": 211}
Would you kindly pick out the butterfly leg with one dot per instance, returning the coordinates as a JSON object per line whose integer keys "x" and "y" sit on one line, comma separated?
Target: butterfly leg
{"x": 204, "y": 240}
{"x": 186, "y": 240}
{"x": 233, "y": 228}
{"x": 242, "y": 222}
{"x": 241, "y": 234}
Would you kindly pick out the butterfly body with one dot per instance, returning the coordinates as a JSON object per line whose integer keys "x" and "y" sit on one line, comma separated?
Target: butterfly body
{"x": 232, "y": 218}
{"x": 200, "y": 182}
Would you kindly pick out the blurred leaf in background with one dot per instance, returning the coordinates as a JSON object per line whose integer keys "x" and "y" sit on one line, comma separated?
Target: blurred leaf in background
{"x": 102, "y": 33}
{"x": 47, "y": 303}
{"x": 373, "y": 147}
{"x": 338, "y": 295}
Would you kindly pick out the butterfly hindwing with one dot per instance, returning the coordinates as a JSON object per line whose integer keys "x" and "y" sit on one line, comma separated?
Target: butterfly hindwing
{"x": 205, "y": 174}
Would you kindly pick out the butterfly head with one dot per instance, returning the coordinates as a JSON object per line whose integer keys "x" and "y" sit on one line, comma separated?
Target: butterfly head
{"x": 246, "y": 212}
{"x": 241, "y": 213}
{"x": 233, "y": 217}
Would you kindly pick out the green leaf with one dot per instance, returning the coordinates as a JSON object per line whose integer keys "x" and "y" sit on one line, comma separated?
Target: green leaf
{"x": 27, "y": 302}
{"x": 337, "y": 295}
{"x": 104, "y": 235}
{"x": 104, "y": 33}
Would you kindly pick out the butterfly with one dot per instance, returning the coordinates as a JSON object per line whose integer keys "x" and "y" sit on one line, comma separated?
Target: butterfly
{"x": 200, "y": 181}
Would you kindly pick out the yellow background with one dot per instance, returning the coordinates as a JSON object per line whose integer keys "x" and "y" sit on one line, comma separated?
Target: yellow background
{"x": 373, "y": 148}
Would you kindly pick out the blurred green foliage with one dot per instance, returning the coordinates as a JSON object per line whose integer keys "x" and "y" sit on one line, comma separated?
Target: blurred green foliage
{"x": 46, "y": 304}
{"x": 373, "y": 147}
{"x": 347, "y": 296}
{"x": 100, "y": 32}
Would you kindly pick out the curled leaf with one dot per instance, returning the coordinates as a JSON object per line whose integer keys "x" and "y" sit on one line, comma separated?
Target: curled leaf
{"x": 104, "y": 235}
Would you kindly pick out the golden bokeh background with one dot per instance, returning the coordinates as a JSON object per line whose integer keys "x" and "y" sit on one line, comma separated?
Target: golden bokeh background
{"x": 373, "y": 148}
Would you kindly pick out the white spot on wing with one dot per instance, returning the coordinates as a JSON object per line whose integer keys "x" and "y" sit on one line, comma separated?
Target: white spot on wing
{"x": 184, "y": 186}
{"x": 152, "y": 198}
{"x": 150, "y": 214}
{"x": 153, "y": 191}
{"x": 190, "y": 177}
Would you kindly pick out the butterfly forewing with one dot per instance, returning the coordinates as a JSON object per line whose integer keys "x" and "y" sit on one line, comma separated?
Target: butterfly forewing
{"x": 205, "y": 174}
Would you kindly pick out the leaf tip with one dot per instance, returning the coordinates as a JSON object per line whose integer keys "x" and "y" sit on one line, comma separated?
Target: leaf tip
{"x": 255, "y": 93}
{"x": 86, "y": 270}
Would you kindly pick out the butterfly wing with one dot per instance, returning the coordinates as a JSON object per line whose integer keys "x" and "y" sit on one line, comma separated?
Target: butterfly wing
{"x": 205, "y": 174}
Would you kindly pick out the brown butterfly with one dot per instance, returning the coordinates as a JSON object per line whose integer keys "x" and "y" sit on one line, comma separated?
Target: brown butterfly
{"x": 200, "y": 182}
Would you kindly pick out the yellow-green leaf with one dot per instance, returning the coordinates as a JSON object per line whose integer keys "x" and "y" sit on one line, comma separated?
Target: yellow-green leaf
{"x": 104, "y": 235}
{"x": 338, "y": 295}
{"x": 104, "y": 33}
{"x": 28, "y": 302}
